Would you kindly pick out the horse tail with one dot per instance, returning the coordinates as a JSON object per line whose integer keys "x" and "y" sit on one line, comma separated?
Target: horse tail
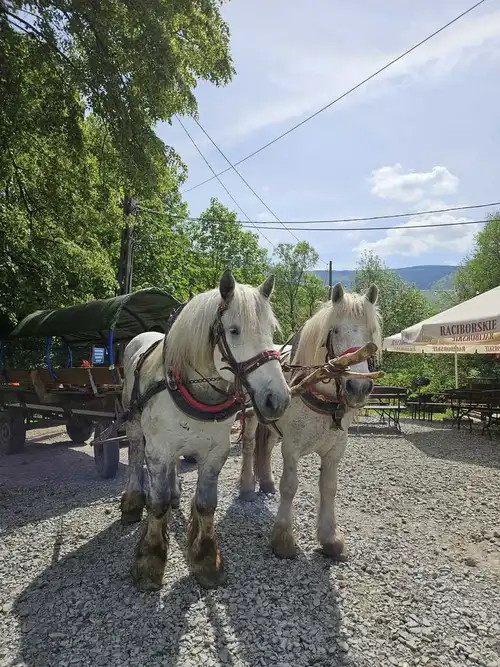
{"x": 262, "y": 434}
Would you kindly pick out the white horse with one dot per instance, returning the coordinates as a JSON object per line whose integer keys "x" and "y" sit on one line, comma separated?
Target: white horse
{"x": 182, "y": 391}
{"x": 316, "y": 421}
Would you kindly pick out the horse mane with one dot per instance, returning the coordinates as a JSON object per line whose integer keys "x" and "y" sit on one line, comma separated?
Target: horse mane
{"x": 310, "y": 349}
{"x": 187, "y": 344}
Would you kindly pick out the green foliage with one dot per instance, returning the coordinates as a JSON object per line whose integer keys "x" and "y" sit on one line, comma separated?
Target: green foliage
{"x": 481, "y": 270}
{"x": 132, "y": 63}
{"x": 82, "y": 87}
{"x": 400, "y": 303}
{"x": 294, "y": 287}
{"x": 218, "y": 241}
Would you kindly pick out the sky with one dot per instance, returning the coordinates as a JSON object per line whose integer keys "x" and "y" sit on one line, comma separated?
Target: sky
{"x": 418, "y": 137}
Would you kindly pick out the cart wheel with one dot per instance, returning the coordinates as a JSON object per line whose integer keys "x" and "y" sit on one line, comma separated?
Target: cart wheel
{"x": 79, "y": 431}
{"x": 12, "y": 431}
{"x": 106, "y": 455}
{"x": 190, "y": 459}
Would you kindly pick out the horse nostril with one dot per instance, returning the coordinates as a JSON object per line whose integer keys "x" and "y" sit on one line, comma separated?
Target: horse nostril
{"x": 270, "y": 402}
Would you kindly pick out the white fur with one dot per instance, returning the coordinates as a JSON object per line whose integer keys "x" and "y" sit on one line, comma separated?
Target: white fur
{"x": 169, "y": 433}
{"x": 355, "y": 321}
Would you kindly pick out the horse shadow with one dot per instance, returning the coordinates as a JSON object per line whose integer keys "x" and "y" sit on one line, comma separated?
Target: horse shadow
{"x": 270, "y": 611}
{"x": 67, "y": 475}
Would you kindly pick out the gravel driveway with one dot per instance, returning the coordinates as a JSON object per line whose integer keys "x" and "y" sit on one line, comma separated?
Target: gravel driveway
{"x": 421, "y": 585}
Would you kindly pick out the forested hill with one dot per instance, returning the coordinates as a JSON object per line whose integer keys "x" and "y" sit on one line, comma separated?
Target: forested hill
{"x": 423, "y": 277}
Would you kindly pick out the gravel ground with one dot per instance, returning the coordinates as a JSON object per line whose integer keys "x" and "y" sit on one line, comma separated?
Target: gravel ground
{"x": 421, "y": 585}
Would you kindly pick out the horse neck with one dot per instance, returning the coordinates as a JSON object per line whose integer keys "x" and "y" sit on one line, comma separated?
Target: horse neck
{"x": 202, "y": 391}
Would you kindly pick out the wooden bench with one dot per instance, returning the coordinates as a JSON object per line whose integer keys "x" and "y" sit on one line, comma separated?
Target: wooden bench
{"x": 83, "y": 380}
{"x": 475, "y": 405}
{"x": 387, "y": 402}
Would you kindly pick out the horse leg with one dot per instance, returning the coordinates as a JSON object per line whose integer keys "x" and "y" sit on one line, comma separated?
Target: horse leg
{"x": 133, "y": 498}
{"x": 247, "y": 475}
{"x": 265, "y": 440}
{"x": 151, "y": 553}
{"x": 175, "y": 485}
{"x": 329, "y": 536}
{"x": 282, "y": 539}
{"x": 203, "y": 551}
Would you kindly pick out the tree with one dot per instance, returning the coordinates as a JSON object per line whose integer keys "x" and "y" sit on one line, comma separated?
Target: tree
{"x": 291, "y": 264}
{"x": 481, "y": 270}
{"x": 218, "y": 241}
{"x": 312, "y": 292}
{"x": 82, "y": 88}
{"x": 132, "y": 63}
{"x": 401, "y": 304}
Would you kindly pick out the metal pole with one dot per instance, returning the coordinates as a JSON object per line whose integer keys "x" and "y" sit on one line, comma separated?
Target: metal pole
{"x": 330, "y": 274}
{"x": 456, "y": 370}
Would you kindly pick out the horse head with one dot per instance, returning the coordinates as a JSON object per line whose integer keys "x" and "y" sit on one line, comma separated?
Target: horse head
{"x": 345, "y": 323}
{"x": 244, "y": 353}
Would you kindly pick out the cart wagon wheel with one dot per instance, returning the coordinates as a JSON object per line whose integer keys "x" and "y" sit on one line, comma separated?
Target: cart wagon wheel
{"x": 79, "y": 431}
{"x": 12, "y": 431}
{"x": 107, "y": 454}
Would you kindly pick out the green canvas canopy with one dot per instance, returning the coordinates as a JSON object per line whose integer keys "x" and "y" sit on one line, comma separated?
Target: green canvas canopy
{"x": 128, "y": 315}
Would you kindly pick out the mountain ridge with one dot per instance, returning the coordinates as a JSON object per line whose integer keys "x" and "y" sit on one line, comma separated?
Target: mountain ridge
{"x": 422, "y": 276}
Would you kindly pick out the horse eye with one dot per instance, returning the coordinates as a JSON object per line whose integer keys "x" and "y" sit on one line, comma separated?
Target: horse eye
{"x": 335, "y": 331}
{"x": 234, "y": 331}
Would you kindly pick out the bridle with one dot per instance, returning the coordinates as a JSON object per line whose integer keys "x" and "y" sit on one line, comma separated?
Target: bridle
{"x": 331, "y": 354}
{"x": 240, "y": 369}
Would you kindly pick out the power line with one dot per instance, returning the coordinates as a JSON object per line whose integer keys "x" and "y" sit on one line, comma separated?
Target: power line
{"x": 232, "y": 166}
{"x": 340, "y": 220}
{"x": 341, "y": 97}
{"x": 220, "y": 181}
{"x": 373, "y": 229}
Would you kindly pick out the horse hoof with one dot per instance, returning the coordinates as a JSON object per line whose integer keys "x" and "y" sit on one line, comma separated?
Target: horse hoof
{"x": 210, "y": 580}
{"x": 131, "y": 506}
{"x": 211, "y": 572}
{"x": 132, "y": 516}
{"x": 283, "y": 544}
{"x": 334, "y": 550}
{"x": 147, "y": 574}
{"x": 248, "y": 496}
{"x": 268, "y": 488}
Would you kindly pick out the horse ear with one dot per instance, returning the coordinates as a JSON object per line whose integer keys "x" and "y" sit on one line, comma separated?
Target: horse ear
{"x": 267, "y": 287}
{"x": 372, "y": 294}
{"x": 227, "y": 284}
{"x": 337, "y": 293}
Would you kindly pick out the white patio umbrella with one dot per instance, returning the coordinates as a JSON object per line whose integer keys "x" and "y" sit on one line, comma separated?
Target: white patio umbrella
{"x": 472, "y": 327}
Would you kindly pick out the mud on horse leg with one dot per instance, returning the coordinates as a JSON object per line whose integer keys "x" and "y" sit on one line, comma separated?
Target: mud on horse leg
{"x": 204, "y": 555}
{"x": 266, "y": 439}
{"x": 247, "y": 475}
{"x": 151, "y": 553}
{"x": 329, "y": 536}
{"x": 282, "y": 538}
{"x": 133, "y": 499}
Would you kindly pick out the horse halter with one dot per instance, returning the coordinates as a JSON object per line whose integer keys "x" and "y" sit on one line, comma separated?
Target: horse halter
{"x": 330, "y": 353}
{"x": 240, "y": 369}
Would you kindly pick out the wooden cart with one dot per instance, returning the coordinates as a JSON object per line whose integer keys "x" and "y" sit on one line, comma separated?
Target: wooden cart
{"x": 86, "y": 397}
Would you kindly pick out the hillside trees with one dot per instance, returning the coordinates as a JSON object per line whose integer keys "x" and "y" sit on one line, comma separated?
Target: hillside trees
{"x": 400, "y": 303}
{"x": 481, "y": 270}
{"x": 291, "y": 264}
{"x": 219, "y": 241}
{"x": 82, "y": 87}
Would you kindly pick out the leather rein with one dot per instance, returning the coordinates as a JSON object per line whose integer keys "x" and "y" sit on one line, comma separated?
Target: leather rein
{"x": 240, "y": 369}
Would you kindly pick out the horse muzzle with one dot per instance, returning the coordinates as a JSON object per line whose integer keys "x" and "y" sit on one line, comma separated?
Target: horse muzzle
{"x": 357, "y": 392}
{"x": 270, "y": 405}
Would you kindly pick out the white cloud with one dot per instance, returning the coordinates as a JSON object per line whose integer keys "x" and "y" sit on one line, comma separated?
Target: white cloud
{"x": 413, "y": 186}
{"x": 411, "y": 242}
{"x": 298, "y": 69}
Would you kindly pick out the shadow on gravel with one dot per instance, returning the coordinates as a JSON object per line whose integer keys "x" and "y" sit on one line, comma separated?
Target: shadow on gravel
{"x": 84, "y": 609}
{"x": 460, "y": 446}
{"x": 68, "y": 475}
